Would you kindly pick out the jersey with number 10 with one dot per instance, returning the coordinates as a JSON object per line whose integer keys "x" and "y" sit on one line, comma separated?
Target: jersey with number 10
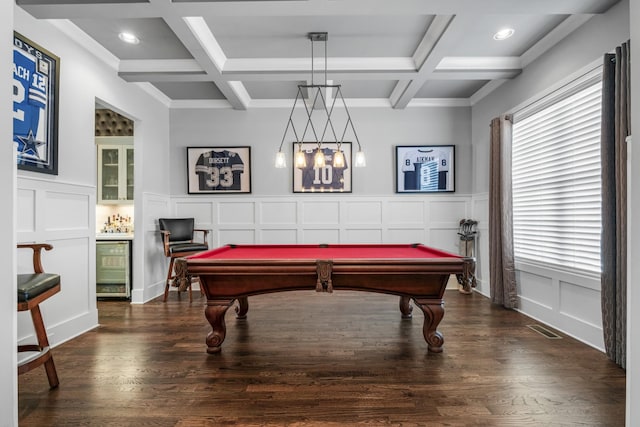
{"x": 328, "y": 178}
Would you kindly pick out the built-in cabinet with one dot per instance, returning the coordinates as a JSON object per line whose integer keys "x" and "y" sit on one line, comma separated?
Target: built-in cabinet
{"x": 115, "y": 174}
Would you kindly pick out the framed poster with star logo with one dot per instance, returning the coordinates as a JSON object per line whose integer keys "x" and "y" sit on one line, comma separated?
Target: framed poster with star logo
{"x": 36, "y": 73}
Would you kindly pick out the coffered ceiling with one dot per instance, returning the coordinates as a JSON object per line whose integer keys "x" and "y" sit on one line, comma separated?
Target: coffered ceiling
{"x": 250, "y": 54}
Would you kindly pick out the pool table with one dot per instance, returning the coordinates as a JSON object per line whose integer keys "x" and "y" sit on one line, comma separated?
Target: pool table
{"x": 412, "y": 271}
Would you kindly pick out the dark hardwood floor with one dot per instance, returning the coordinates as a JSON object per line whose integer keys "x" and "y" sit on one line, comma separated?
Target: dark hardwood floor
{"x": 307, "y": 359}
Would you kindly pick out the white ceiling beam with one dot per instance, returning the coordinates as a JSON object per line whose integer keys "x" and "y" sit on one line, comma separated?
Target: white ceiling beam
{"x": 342, "y": 64}
{"x": 197, "y": 37}
{"x": 439, "y": 39}
{"x": 436, "y": 29}
{"x": 464, "y": 63}
{"x": 159, "y": 65}
{"x": 164, "y": 77}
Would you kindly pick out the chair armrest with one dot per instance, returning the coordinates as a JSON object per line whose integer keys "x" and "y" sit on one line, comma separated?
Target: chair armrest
{"x": 204, "y": 231}
{"x": 165, "y": 241}
{"x": 37, "y": 250}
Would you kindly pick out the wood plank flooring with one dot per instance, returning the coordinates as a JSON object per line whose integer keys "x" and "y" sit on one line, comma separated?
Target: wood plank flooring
{"x": 307, "y": 359}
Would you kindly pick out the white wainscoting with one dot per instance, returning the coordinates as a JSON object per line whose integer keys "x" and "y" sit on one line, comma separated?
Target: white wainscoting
{"x": 150, "y": 274}
{"x": 480, "y": 213}
{"x": 62, "y": 214}
{"x": 565, "y": 301}
{"x": 430, "y": 219}
{"x": 433, "y": 220}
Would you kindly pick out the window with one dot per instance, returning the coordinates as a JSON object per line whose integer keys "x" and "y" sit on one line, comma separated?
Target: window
{"x": 556, "y": 181}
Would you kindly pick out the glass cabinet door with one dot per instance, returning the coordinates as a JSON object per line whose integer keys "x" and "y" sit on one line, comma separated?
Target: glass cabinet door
{"x": 110, "y": 174}
{"x": 115, "y": 174}
{"x": 129, "y": 170}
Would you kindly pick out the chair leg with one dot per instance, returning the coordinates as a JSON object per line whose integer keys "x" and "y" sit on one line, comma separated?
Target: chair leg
{"x": 169, "y": 276}
{"x": 43, "y": 342}
{"x": 201, "y": 288}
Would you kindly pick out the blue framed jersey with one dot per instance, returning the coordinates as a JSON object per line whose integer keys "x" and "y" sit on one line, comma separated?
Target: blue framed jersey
{"x": 35, "y": 82}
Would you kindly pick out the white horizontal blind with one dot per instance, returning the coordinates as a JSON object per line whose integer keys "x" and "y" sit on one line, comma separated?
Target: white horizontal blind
{"x": 556, "y": 183}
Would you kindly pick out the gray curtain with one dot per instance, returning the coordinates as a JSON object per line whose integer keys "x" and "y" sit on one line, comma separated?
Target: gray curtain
{"x": 502, "y": 270}
{"x": 616, "y": 124}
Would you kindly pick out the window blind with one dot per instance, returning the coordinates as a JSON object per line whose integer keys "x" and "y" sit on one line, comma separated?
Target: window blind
{"x": 556, "y": 183}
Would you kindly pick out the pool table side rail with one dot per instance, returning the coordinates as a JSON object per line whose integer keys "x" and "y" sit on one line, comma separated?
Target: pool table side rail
{"x": 235, "y": 278}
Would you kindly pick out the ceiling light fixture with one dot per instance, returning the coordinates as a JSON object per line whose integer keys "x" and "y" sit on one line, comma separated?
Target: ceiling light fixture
{"x": 318, "y": 103}
{"x": 504, "y": 34}
{"x": 128, "y": 38}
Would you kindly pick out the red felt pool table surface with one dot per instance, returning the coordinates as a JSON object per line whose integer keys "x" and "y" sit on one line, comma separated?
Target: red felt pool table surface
{"x": 415, "y": 272}
{"x": 333, "y": 251}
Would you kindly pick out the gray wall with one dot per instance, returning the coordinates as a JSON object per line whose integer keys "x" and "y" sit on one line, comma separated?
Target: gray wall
{"x": 565, "y": 300}
{"x": 379, "y": 130}
{"x": 587, "y": 44}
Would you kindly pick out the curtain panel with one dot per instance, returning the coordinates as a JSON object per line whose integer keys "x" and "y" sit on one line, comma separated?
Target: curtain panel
{"x": 501, "y": 263}
{"x": 616, "y": 124}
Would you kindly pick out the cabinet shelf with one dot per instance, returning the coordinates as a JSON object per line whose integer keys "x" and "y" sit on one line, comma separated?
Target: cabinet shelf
{"x": 115, "y": 166}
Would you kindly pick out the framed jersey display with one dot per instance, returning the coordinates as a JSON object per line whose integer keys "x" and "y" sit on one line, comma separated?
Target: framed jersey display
{"x": 35, "y": 106}
{"x": 219, "y": 170}
{"x": 425, "y": 168}
{"x": 330, "y": 178}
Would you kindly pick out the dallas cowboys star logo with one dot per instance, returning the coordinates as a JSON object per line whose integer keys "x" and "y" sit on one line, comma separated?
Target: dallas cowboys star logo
{"x": 28, "y": 145}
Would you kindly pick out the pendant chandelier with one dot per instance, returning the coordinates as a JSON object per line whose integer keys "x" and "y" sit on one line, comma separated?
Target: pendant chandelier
{"x": 320, "y": 120}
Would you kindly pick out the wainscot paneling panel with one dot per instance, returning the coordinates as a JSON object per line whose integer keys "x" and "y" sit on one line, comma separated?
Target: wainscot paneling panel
{"x": 363, "y": 213}
{"x": 236, "y": 213}
{"x": 445, "y": 238}
{"x": 278, "y": 213}
{"x": 312, "y": 236}
{"x": 150, "y": 264}
{"x": 363, "y": 235}
{"x": 580, "y": 303}
{"x": 236, "y": 236}
{"x": 202, "y": 212}
{"x": 26, "y": 221}
{"x": 480, "y": 213}
{"x": 75, "y": 207}
{"x": 405, "y": 235}
{"x": 405, "y": 213}
{"x": 537, "y": 288}
{"x": 447, "y": 210}
{"x": 62, "y": 214}
{"x": 320, "y": 212}
{"x": 278, "y": 236}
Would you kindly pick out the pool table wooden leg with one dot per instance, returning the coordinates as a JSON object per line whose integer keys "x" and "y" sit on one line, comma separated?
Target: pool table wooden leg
{"x": 214, "y": 312}
{"x": 433, "y": 310}
{"x": 405, "y": 307}
{"x": 242, "y": 308}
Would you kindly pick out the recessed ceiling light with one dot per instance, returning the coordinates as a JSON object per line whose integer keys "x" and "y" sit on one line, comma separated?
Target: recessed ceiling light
{"x": 504, "y": 34}
{"x": 129, "y": 38}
